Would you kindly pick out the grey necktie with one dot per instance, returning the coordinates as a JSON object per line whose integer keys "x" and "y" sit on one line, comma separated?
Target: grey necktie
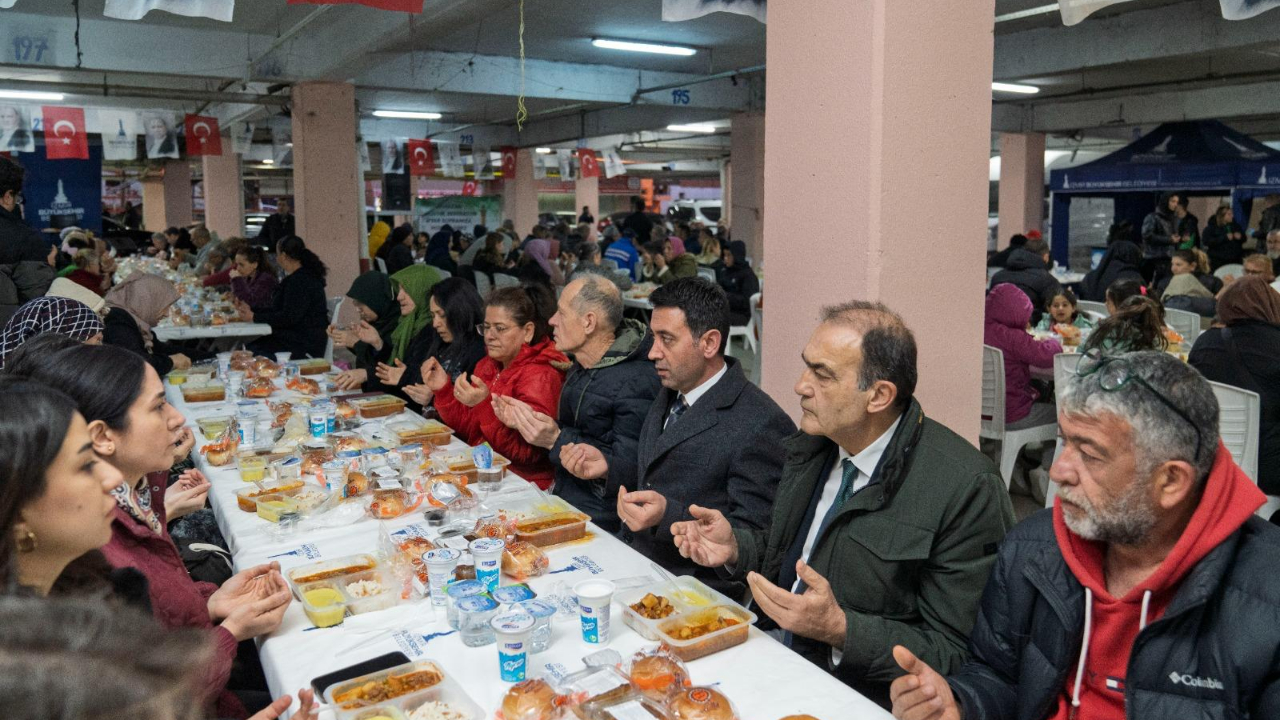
{"x": 677, "y": 409}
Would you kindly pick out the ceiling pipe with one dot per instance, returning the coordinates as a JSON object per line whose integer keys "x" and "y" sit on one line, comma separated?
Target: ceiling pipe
{"x": 150, "y": 93}
{"x": 709, "y": 78}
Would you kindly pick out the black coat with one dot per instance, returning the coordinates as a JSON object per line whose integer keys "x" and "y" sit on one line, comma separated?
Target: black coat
{"x": 605, "y": 406}
{"x": 1027, "y": 272}
{"x": 121, "y": 330}
{"x": 298, "y": 316}
{"x": 19, "y": 242}
{"x": 274, "y": 229}
{"x": 1220, "y": 625}
{"x": 739, "y": 283}
{"x": 1220, "y": 249}
{"x": 1119, "y": 262}
{"x": 454, "y": 358}
{"x": 399, "y": 258}
{"x": 639, "y": 223}
{"x": 726, "y": 453}
{"x": 1258, "y": 347}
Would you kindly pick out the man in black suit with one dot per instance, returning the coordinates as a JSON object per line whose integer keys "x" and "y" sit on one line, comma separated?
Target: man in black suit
{"x": 276, "y": 227}
{"x": 711, "y": 438}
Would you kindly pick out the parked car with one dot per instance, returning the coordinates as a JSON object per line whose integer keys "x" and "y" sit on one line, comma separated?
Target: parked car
{"x": 125, "y": 241}
{"x": 706, "y": 212}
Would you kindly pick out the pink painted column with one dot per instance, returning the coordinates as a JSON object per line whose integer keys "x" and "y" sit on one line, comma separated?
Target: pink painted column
{"x": 153, "y": 209}
{"x": 520, "y": 194}
{"x": 1021, "y": 192}
{"x": 586, "y": 191}
{"x": 879, "y": 117}
{"x": 224, "y": 193}
{"x": 747, "y": 170}
{"x": 328, "y": 192}
{"x": 166, "y": 200}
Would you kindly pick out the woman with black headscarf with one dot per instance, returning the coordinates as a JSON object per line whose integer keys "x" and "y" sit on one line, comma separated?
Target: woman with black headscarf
{"x": 397, "y": 251}
{"x": 438, "y": 250}
{"x": 1120, "y": 262}
{"x": 739, "y": 282}
{"x": 1244, "y": 351}
{"x": 374, "y": 296}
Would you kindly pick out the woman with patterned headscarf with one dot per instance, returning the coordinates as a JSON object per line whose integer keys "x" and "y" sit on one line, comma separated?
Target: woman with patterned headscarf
{"x": 59, "y": 315}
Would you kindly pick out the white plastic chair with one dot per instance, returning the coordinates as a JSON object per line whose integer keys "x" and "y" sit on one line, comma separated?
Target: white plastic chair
{"x": 757, "y": 322}
{"x": 993, "y": 414}
{"x": 1239, "y": 411}
{"x": 382, "y": 265}
{"x": 483, "y": 283}
{"x": 504, "y": 280}
{"x": 443, "y": 273}
{"x": 746, "y": 332}
{"x": 1234, "y": 270}
{"x": 335, "y": 304}
{"x": 706, "y": 272}
{"x": 1097, "y": 308}
{"x": 1186, "y": 324}
{"x": 1095, "y": 317}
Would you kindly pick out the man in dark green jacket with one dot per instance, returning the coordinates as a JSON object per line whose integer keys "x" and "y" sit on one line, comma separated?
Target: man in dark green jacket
{"x": 886, "y": 524}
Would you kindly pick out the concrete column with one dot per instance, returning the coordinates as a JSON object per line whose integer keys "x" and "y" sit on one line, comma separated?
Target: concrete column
{"x": 726, "y": 192}
{"x": 747, "y": 171}
{"x": 328, "y": 188}
{"x": 520, "y": 195}
{"x": 586, "y": 191}
{"x": 223, "y": 193}
{"x": 898, "y": 118}
{"x": 1021, "y": 198}
{"x": 166, "y": 200}
{"x": 153, "y": 204}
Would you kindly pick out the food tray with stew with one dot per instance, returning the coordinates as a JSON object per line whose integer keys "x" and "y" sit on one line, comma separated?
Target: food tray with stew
{"x": 427, "y": 432}
{"x": 703, "y": 632}
{"x": 406, "y": 688}
{"x": 377, "y": 406}
{"x": 203, "y": 392}
{"x": 645, "y": 608}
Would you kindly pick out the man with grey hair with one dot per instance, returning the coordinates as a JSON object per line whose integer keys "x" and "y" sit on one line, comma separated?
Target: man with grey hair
{"x": 1150, "y": 590}
{"x": 886, "y": 523}
{"x": 606, "y": 395}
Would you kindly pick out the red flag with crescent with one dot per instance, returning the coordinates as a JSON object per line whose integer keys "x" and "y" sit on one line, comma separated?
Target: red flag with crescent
{"x": 469, "y": 188}
{"x": 588, "y": 166}
{"x": 64, "y": 133}
{"x": 508, "y": 163}
{"x": 422, "y": 161}
{"x": 203, "y": 137}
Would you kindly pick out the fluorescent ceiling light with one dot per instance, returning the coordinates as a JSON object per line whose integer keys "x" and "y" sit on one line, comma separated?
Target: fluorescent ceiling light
{"x": 31, "y": 95}
{"x": 693, "y": 128}
{"x": 542, "y": 151}
{"x": 407, "y": 114}
{"x": 643, "y": 47}
{"x": 1014, "y": 88}
{"x": 268, "y": 161}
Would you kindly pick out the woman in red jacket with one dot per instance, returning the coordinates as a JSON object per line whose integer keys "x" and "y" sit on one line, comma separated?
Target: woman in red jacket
{"x": 134, "y": 429}
{"x": 523, "y": 363}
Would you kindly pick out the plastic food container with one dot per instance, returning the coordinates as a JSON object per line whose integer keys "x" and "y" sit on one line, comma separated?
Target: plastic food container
{"x": 271, "y": 507}
{"x": 324, "y": 603}
{"x": 335, "y": 569}
{"x": 596, "y": 685}
{"x": 206, "y": 392}
{"x": 312, "y": 366}
{"x": 212, "y": 427}
{"x": 378, "y": 406}
{"x": 430, "y": 432}
{"x": 692, "y": 648}
{"x": 176, "y": 377}
{"x": 382, "y": 712}
{"x": 552, "y": 529}
{"x": 686, "y": 595}
{"x": 247, "y": 497}
{"x": 632, "y": 707}
{"x": 252, "y": 468}
{"x": 366, "y": 600}
{"x": 401, "y": 683}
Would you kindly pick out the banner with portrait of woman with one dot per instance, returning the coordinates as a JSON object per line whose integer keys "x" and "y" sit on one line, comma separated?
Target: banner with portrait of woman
{"x": 16, "y": 129}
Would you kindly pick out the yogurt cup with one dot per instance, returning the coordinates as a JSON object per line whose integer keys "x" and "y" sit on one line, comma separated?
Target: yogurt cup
{"x": 512, "y": 632}
{"x": 595, "y": 599}
{"x": 457, "y": 592}
{"x": 487, "y": 553}
{"x": 512, "y": 594}
{"x": 440, "y": 565}
{"x": 283, "y": 357}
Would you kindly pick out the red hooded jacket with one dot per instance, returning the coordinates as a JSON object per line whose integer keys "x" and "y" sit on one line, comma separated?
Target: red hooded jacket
{"x": 1112, "y": 624}
{"x": 531, "y": 378}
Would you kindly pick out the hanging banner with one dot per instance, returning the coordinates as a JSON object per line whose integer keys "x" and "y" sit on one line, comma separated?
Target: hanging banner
{"x": 282, "y": 146}
{"x": 451, "y": 160}
{"x": 203, "y": 137}
{"x": 564, "y": 160}
{"x": 421, "y": 162}
{"x": 508, "y": 162}
{"x": 1075, "y": 11}
{"x": 430, "y": 214}
{"x": 362, "y": 148}
{"x": 679, "y": 10}
{"x": 135, "y": 9}
{"x": 63, "y": 193}
{"x": 119, "y": 130}
{"x": 162, "y": 141}
{"x": 613, "y": 166}
{"x": 588, "y": 166}
{"x": 470, "y": 188}
{"x": 241, "y": 137}
{"x": 409, "y": 6}
{"x": 540, "y": 166}
{"x": 16, "y": 129}
{"x": 1245, "y": 9}
{"x": 65, "y": 135}
{"x": 392, "y": 156}
{"x": 482, "y": 162}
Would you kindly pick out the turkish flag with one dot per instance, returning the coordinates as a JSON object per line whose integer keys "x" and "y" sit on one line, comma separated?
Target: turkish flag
{"x": 508, "y": 163}
{"x": 588, "y": 166}
{"x": 422, "y": 162}
{"x": 469, "y": 188}
{"x": 64, "y": 133}
{"x": 202, "y": 135}
{"x": 409, "y": 6}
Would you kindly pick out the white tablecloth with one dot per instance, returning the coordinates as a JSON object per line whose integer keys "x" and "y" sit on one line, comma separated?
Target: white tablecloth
{"x": 170, "y": 333}
{"x": 764, "y": 679}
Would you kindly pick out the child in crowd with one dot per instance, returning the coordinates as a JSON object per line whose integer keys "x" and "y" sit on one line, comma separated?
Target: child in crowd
{"x": 1062, "y": 310}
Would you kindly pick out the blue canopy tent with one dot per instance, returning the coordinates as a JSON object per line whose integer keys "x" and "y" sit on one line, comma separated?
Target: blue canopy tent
{"x": 1196, "y": 158}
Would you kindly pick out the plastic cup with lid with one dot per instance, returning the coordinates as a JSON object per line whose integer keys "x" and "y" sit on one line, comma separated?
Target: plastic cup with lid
{"x": 283, "y": 357}
{"x": 542, "y": 612}
{"x": 440, "y": 563}
{"x": 487, "y": 552}
{"x": 512, "y": 632}
{"x": 457, "y": 592}
{"x": 595, "y": 599}
{"x": 474, "y": 614}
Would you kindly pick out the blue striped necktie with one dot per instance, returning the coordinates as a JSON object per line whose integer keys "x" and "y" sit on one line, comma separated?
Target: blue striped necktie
{"x": 677, "y": 409}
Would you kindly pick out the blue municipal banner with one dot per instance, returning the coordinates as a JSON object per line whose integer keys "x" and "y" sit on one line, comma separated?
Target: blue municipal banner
{"x": 62, "y": 193}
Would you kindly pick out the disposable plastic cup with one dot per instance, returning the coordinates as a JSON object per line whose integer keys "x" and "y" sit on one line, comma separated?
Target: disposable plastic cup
{"x": 283, "y": 357}
{"x": 487, "y": 552}
{"x": 542, "y": 612}
{"x": 512, "y": 632}
{"x": 440, "y": 563}
{"x": 488, "y": 480}
{"x": 595, "y": 599}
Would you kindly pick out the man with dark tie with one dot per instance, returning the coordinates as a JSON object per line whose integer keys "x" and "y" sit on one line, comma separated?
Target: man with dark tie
{"x": 886, "y": 523}
{"x": 711, "y": 438}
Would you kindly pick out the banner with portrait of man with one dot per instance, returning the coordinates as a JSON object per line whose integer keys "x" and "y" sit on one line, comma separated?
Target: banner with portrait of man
{"x": 161, "y": 135}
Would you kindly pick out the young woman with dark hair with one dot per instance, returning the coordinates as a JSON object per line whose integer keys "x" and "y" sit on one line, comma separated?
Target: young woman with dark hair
{"x": 252, "y": 281}
{"x": 455, "y": 310}
{"x": 299, "y": 312}
{"x": 522, "y": 363}
{"x": 134, "y": 429}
